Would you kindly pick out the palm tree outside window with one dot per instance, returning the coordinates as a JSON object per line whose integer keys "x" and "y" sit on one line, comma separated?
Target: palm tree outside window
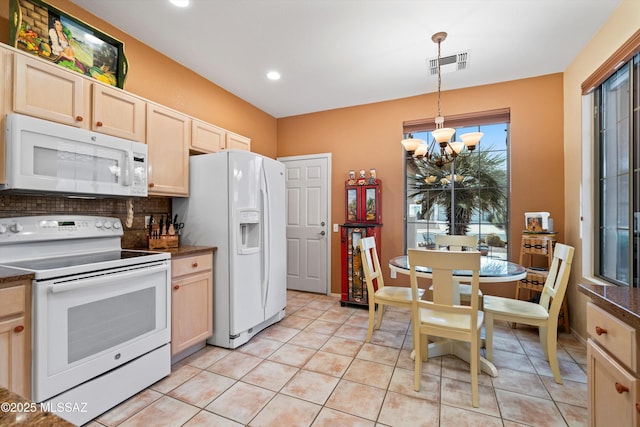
{"x": 467, "y": 196}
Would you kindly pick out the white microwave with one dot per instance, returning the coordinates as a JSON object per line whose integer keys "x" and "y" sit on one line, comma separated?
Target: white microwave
{"x": 48, "y": 157}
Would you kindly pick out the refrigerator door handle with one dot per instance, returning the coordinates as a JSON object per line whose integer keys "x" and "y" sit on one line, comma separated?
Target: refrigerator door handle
{"x": 266, "y": 230}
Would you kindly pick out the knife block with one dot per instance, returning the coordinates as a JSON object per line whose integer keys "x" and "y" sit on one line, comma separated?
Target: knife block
{"x": 163, "y": 242}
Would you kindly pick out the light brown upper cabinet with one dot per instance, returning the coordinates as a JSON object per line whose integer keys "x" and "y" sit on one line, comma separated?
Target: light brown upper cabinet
{"x": 206, "y": 138}
{"x": 168, "y": 136}
{"x": 117, "y": 113}
{"x": 238, "y": 142}
{"x": 49, "y": 92}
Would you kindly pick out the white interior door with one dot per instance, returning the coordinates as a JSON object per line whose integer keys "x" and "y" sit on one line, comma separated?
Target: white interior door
{"x": 307, "y": 200}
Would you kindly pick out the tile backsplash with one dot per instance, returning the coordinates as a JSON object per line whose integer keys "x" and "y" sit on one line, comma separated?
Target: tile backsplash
{"x": 134, "y": 237}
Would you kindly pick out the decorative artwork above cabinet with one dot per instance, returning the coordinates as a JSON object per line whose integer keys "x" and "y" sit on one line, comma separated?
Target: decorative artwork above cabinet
{"x": 51, "y": 34}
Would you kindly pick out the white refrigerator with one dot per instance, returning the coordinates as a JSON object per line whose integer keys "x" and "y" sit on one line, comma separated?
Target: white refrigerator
{"x": 237, "y": 203}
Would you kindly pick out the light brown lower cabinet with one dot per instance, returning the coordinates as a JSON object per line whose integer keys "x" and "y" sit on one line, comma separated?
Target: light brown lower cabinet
{"x": 191, "y": 302}
{"x": 612, "y": 370}
{"x": 15, "y": 338}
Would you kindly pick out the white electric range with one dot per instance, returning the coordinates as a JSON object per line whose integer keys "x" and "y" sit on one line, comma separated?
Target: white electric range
{"x": 100, "y": 314}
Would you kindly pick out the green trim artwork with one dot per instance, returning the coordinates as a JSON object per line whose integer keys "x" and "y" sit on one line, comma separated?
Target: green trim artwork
{"x": 51, "y": 34}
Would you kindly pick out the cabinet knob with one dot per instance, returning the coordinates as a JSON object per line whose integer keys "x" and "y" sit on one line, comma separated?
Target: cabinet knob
{"x": 638, "y": 406}
{"x": 620, "y": 388}
{"x": 79, "y": 118}
{"x": 195, "y": 264}
{"x": 151, "y": 185}
{"x": 600, "y": 331}
{"x": 176, "y": 287}
{"x": 99, "y": 124}
{"x": 18, "y": 329}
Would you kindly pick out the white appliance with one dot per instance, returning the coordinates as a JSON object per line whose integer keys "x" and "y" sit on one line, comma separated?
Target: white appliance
{"x": 237, "y": 203}
{"x": 100, "y": 315}
{"x": 44, "y": 156}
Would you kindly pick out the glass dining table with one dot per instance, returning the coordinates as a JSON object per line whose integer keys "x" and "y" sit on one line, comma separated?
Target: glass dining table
{"x": 492, "y": 270}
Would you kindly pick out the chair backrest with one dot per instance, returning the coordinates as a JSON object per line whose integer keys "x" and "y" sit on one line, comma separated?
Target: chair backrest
{"x": 456, "y": 242}
{"x": 555, "y": 286}
{"x": 371, "y": 264}
{"x": 442, "y": 265}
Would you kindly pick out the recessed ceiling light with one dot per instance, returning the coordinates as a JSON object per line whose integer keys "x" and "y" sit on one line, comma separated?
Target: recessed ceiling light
{"x": 179, "y": 3}
{"x": 273, "y": 75}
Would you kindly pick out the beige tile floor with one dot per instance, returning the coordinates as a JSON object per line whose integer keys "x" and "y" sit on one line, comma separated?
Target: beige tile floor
{"x": 314, "y": 369}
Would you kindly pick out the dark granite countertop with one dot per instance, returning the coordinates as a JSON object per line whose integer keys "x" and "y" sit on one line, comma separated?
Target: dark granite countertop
{"x": 8, "y": 275}
{"x": 17, "y": 411}
{"x": 183, "y": 250}
{"x": 621, "y": 301}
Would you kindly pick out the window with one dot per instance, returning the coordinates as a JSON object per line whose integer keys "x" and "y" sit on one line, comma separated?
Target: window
{"x": 467, "y": 196}
{"x": 617, "y": 177}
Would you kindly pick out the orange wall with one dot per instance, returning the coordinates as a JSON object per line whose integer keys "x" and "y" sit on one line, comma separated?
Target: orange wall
{"x": 368, "y": 136}
{"x": 158, "y": 78}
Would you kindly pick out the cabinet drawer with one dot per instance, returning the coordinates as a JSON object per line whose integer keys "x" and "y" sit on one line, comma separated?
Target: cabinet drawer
{"x": 12, "y": 301}
{"x": 614, "y": 335}
{"x": 191, "y": 264}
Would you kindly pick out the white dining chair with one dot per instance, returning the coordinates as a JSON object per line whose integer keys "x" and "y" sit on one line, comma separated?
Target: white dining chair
{"x": 378, "y": 293}
{"x": 459, "y": 243}
{"x": 443, "y": 317}
{"x": 543, "y": 314}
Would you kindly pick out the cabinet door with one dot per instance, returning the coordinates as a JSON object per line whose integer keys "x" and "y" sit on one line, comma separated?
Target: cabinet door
{"x": 613, "y": 391}
{"x": 238, "y": 142}
{"x": 6, "y": 103}
{"x": 48, "y": 92}
{"x": 207, "y": 138}
{"x": 168, "y": 140}
{"x": 14, "y": 363}
{"x": 191, "y": 311}
{"x": 117, "y": 113}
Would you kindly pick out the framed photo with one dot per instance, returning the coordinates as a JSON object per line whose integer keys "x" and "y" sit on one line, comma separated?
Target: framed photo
{"x": 51, "y": 34}
{"x": 352, "y": 205}
{"x": 370, "y": 204}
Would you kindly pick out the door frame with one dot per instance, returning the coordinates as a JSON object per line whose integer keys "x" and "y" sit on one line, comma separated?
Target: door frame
{"x": 326, "y": 156}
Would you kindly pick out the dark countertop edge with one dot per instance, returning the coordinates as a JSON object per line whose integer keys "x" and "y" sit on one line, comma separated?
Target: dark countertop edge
{"x": 182, "y": 250}
{"x": 8, "y": 275}
{"x": 621, "y": 301}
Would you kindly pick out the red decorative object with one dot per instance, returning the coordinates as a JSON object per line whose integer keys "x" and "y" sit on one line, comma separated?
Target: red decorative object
{"x": 363, "y": 203}
{"x": 354, "y": 286}
{"x": 363, "y": 218}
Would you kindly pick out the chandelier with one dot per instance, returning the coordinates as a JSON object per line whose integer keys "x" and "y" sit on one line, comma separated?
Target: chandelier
{"x": 448, "y": 151}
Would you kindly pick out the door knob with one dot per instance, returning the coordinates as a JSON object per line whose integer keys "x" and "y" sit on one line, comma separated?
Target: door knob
{"x": 322, "y": 233}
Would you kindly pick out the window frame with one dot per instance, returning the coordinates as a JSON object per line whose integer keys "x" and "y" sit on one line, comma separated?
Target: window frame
{"x": 469, "y": 120}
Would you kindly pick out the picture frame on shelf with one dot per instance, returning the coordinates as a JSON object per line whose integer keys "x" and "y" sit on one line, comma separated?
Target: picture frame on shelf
{"x": 51, "y": 34}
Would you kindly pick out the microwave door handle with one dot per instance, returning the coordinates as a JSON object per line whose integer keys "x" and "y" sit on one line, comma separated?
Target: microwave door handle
{"x": 127, "y": 169}
{"x": 115, "y": 278}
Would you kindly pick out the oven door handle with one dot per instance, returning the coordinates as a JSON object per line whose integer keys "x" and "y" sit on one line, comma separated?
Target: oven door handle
{"x": 102, "y": 280}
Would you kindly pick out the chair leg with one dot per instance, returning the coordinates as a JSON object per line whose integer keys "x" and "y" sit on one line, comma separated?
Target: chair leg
{"x": 417, "y": 344}
{"x": 552, "y": 350}
{"x": 488, "y": 340}
{"x": 475, "y": 363}
{"x": 372, "y": 313}
{"x": 381, "y": 308}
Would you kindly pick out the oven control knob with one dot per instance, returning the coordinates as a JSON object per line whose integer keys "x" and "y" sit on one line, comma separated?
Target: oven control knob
{"x": 107, "y": 225}
{"x": 116, "y": 225}
{"x": 98, "y": 224}
{"x": 16, "y": 227}
{"x": 3, "y": 228}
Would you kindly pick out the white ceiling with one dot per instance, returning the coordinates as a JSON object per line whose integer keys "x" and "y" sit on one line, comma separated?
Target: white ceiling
{"x": 339, "y": 53}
